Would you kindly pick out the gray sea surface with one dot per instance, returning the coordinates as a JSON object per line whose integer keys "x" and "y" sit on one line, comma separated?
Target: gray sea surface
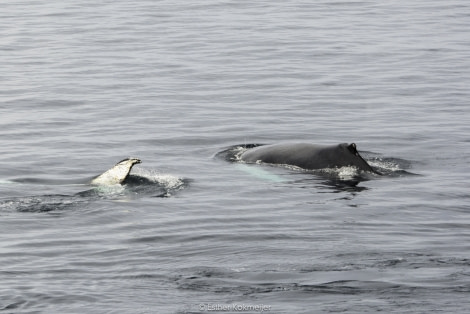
{"x": 178, "y": 84}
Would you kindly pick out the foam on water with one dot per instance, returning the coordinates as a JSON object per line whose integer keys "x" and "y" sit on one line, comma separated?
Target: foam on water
{"x": 169, "y": 181}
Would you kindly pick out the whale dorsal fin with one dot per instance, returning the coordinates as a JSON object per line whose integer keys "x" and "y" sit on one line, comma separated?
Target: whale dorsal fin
{"x": 353, "y": 149}
{"x": 117, "y": 174}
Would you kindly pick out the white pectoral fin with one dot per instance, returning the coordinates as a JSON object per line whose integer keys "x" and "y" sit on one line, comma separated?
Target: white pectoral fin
{"x": 117, "y": 174}
{"x": 106, "y": 178}
{"x": 260, "y": 173}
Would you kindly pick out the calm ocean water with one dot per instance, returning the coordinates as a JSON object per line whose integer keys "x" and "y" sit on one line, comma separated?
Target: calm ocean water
{"x": 88, "y": 83}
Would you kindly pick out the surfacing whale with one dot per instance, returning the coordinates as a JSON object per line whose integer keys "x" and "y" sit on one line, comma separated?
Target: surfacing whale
{"x": 117, "y": 174}
{"x": 308, "y": 156}
{"x": 116, "y": 183}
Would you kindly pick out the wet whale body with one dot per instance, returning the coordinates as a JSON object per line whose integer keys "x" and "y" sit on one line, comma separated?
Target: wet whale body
{"x": 308, "y": 156}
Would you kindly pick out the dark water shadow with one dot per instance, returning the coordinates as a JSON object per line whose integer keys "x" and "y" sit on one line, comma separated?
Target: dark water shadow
{"x": 252, "y": 284}
{"x": 350, "y": 273}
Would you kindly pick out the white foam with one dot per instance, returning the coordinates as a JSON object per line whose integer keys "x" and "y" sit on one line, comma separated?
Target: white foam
{"x": 344, "y": 173}
{"x": 382, "y": 164}
{"x": 167, "y": 180}
{"x": 239, "y": 150}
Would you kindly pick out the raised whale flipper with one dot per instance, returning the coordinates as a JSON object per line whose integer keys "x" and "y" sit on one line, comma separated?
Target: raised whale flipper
{"x": 117, "y": 174}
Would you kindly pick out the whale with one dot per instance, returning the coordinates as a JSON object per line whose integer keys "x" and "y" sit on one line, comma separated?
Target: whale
{"x": 308, "y": 156}
{"x": 117, "y": 174}
{"x": 116, "y": 183}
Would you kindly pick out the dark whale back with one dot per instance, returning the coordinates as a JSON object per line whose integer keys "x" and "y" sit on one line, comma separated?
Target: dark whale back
{"x": 308, "y": 156}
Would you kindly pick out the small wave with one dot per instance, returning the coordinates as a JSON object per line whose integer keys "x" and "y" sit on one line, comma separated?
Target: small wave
{"x": 390, "y": 166}
{"x": 252, "y": 283}
{"x": 44, "y": 203}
